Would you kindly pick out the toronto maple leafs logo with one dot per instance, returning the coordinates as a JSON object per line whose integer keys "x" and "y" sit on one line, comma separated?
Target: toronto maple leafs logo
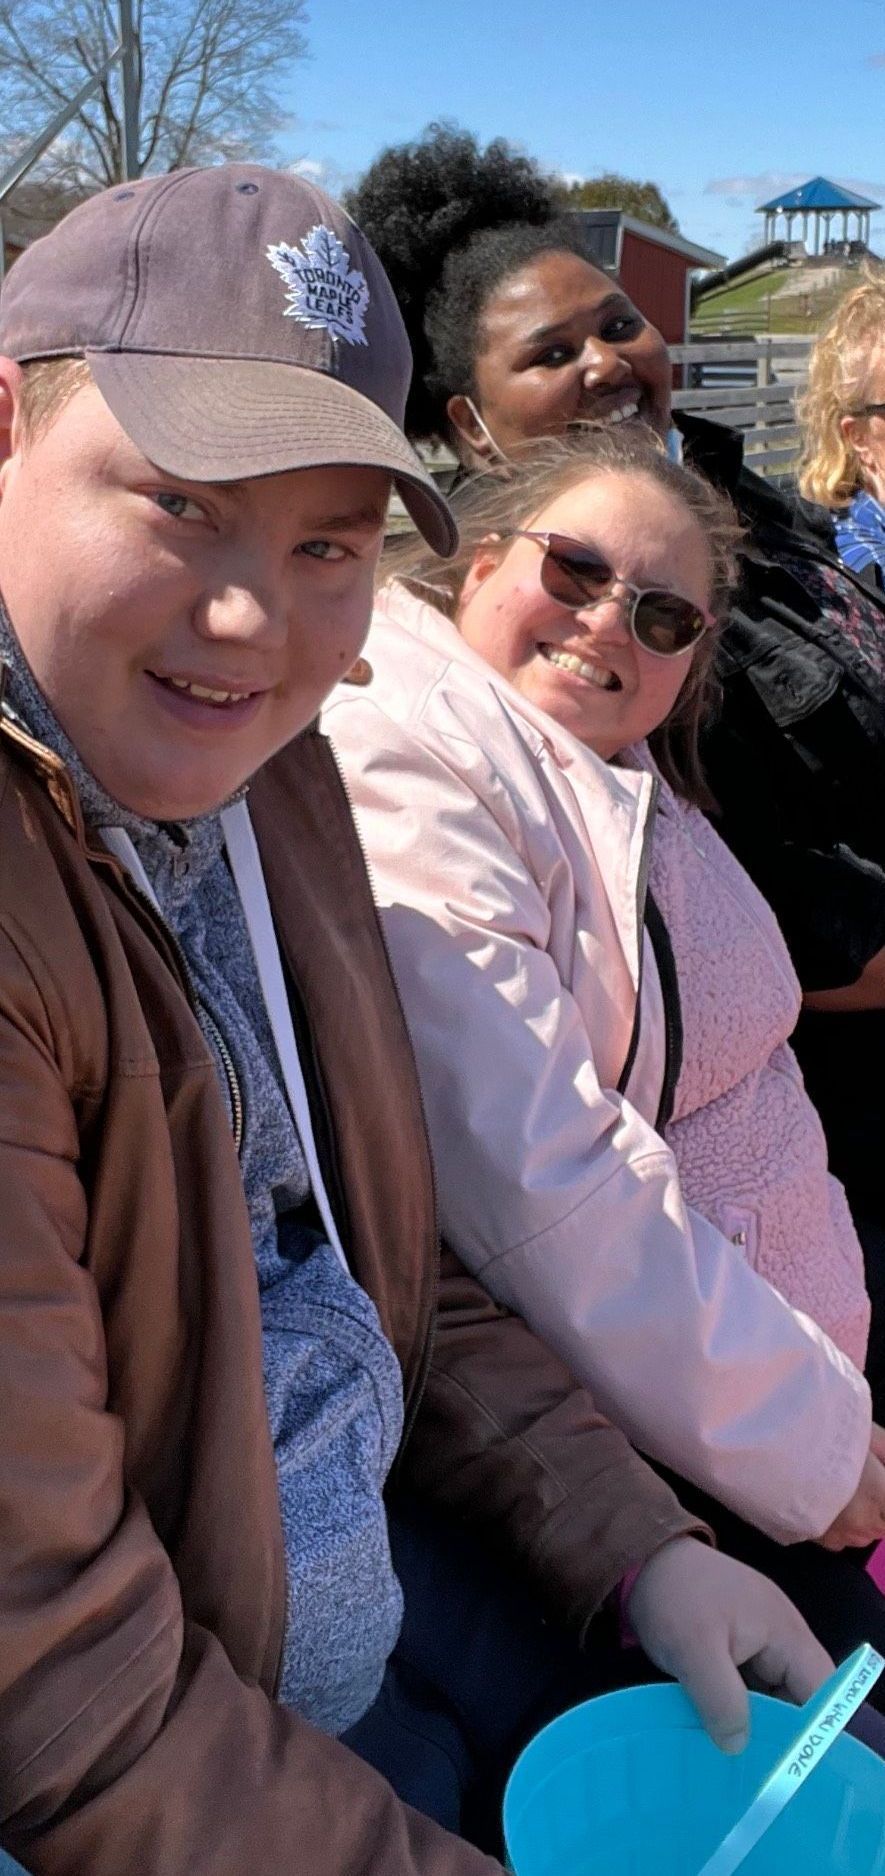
{"x": 323, "y": 290}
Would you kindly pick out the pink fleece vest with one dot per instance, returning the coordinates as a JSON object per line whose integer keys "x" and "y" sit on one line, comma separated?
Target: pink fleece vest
{"x": 749, "y": 1146}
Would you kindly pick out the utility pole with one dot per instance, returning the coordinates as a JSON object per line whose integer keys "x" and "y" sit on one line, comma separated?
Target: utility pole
{"x": 130, "y": 94}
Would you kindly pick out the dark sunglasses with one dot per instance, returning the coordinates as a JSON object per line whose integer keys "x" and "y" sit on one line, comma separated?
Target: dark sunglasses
{"x": 868, "y": 410}
{"x": 576, "y": 576}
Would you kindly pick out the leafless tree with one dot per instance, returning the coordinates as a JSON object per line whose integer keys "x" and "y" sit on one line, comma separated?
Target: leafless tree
{"x": 210, "y": 75}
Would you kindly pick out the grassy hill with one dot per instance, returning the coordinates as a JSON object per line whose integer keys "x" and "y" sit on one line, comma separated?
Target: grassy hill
{"x": 781, "y": 299}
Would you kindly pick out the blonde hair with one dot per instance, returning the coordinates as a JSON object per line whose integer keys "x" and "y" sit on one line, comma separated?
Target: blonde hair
{"x": 49, "y": 384}
{"x": 492, "y": 503}
{"x": 830, "y": 471}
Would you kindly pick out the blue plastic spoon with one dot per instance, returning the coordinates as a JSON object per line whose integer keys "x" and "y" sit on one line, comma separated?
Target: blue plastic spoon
{"x": 824, "y": 1716}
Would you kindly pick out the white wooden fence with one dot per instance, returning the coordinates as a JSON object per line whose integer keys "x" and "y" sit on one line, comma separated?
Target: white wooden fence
{"x": 751, "y": 385}
{"x": 736, "y": 321}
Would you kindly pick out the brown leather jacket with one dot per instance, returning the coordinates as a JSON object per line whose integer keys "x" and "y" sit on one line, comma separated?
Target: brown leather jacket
{"x": 141, "y": 1557}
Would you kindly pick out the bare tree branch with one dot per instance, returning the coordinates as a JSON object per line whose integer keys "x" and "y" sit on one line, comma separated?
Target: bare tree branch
{"x": 213, "y": 79}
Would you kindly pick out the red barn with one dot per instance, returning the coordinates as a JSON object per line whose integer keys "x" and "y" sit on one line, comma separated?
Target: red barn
{"x": 653, "y": 266}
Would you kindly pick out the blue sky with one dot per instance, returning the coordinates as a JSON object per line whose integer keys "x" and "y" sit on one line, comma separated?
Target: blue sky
{"x": 720, "y": 104}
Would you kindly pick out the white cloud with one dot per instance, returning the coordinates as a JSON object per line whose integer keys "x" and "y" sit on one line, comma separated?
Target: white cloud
{"x": 861, "y": 187}
{"x": 312, "y": 168}
{"x": 321, "y": 171}
{"x": 738, "y": 189}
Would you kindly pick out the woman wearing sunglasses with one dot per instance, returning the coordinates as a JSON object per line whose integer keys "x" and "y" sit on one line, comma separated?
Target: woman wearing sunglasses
{"x": 601, "y": 1001}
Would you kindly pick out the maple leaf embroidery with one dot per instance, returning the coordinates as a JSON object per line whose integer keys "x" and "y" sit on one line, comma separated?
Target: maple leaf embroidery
{"x": 323, "y": 290}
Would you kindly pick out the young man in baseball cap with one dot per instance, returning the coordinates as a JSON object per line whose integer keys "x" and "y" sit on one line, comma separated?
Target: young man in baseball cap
{"x": 218, "y": 1262}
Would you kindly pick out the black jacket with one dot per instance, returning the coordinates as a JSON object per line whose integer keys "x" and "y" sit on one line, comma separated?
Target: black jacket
{"x": 796, "y": 760}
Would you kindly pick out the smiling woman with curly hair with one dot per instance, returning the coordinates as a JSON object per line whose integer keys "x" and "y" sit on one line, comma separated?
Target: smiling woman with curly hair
{"x": 476, "y": 243}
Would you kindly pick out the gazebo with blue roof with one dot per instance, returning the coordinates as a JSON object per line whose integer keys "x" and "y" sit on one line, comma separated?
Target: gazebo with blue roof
{"x": 820, "y": 200}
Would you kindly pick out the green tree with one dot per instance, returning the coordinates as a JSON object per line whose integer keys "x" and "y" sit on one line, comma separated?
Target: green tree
{"x": 642, "y": 199}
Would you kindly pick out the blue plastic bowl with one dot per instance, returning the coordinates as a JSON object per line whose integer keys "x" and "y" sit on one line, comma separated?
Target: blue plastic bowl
{"x": 630, "y": 1785}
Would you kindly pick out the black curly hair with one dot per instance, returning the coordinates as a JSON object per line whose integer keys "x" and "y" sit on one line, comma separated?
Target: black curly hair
{"x": 449, "y": 221}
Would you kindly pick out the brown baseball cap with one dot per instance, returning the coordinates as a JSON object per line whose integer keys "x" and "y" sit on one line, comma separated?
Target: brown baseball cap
{"x": 236, "y": 322}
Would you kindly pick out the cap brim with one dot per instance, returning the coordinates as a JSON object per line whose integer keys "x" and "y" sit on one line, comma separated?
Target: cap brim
{"x": 223, "y": 420}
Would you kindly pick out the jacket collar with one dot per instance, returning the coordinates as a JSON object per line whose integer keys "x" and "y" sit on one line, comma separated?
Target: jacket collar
{"x": 616, "y": 799}
{"x": 49, "y": 768}
{"x": 718, "y": 453}
{"x": 80, "y": 798}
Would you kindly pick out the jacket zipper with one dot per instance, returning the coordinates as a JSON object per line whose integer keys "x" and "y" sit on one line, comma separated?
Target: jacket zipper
{"x": 666, "y": 963}
{"x": 649, "y": 920}
{"x": 235, "y": 1092}
{"x": 198, "y": 1008}
{"x": 641, "y": 897}
{"x": 430, "y": 1338}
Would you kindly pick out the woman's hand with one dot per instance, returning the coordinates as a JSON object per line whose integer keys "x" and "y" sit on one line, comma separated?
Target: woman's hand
{"x": 866, "y": 993}
{"x": 863, "y": 1519}
{"x": 703, "y": 1617}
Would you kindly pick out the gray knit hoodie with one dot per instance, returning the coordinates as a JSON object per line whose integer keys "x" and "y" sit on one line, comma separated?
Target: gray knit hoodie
{"x": 332, "y": 1382}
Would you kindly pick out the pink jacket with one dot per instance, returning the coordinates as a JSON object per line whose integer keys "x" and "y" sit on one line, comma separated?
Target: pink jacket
{"x": 511, "y": 866}
{"x": 748, "y": 1143}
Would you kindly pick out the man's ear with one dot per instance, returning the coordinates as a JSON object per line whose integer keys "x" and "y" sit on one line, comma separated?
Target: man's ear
{"x": 472, "y": 441}
{"x": 484, "y": 562}
{"x": 11, "y": 381}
